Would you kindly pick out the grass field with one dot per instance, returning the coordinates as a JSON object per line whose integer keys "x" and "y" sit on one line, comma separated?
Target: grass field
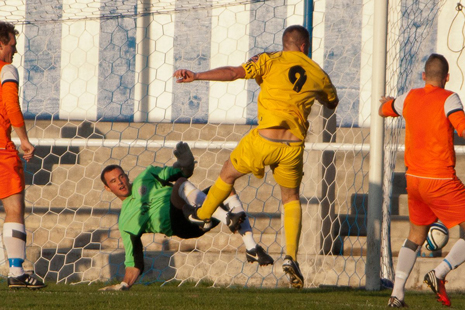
{"x": 82, "y": 296}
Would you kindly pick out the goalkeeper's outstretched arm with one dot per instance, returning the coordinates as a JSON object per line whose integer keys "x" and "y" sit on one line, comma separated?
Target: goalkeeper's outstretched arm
{"x": 130, "y": 276}
{"x": 134, "y": 250}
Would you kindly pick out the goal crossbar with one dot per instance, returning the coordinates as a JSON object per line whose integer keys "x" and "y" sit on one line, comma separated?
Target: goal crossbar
{"x": 140, "y": 143}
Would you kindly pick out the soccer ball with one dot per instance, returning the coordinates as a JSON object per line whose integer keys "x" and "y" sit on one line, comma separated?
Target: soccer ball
{"x": 437, "y": 238}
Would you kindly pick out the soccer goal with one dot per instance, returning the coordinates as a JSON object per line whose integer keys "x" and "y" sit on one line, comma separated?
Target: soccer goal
{"x": 97, "y": 89}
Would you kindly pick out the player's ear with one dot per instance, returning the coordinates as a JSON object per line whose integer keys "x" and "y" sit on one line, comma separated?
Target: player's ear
{"x": 304, "y": 48}
{"x": 423, "y": 76}
{"x": 107, "y": 188}
{"x": 447, "y": 77}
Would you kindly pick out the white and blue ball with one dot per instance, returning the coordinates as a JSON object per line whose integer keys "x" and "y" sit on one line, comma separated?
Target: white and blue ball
{"x": 437, "y": 238}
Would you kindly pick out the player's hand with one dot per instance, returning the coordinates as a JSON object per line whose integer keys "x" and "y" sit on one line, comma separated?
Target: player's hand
{"x": 385, "y": 99}
{"x": 28, "y": 150}
{"x": 185, "y": 158}
{"x": 117, "y": 287}
{"x": 184, "y": 76}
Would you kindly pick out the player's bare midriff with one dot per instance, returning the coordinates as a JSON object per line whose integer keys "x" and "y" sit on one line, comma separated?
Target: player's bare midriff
{"x": 278, "y": 134}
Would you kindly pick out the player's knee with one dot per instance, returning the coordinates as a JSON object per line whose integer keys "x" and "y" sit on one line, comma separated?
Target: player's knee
{"x": 177, "y": 185}
{"x": 179, "y": 182}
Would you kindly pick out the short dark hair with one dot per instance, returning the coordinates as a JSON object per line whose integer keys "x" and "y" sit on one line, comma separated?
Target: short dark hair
{"x": 436, "y": 67}
{"x": 5, "y": 30}
{"x": 296, "y": 34}
{"x": 108, "y": 169}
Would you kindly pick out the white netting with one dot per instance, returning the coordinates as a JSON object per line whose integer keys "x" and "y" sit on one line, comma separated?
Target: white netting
{"x": 411, "y": 39}
{"x": 96, "y": 88}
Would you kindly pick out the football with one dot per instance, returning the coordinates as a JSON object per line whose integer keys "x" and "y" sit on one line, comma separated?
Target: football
{"x": 437, "y": 238}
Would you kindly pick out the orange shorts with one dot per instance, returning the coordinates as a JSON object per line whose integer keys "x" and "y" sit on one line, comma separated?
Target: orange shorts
{"x": 11, "y": 173}
{"x": 254, "y": 152}
{"x": 432, "y": 199}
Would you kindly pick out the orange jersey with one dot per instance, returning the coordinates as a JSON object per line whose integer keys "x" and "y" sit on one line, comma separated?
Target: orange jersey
{"x": 431, "y": 114}
{"x": 10, "y": 111}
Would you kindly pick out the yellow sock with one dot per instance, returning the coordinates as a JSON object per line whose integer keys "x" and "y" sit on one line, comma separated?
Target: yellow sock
{"x": 292, "y": 227}
{"x": 217, "y": 194}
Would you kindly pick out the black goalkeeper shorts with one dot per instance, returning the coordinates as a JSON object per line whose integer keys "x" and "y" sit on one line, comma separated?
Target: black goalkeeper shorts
{"x": 182, "y": 227}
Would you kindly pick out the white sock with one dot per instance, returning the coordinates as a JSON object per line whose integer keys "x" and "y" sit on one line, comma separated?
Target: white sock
{"x": 234, "y": 204}
{"x": 196, "y": 197}
{"x": 405, "y": 261}
{"x": 220, "y": 215}
{"x": 14, "y": 238}
{"x": 454, "y": 259}
{"x": 191, "y": 194}
{"x": 249, "y": 242}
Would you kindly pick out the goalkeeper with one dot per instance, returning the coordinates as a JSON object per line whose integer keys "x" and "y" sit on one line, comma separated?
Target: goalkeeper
{"x": 290, "y": 82}
{"x": 153, "y": 204}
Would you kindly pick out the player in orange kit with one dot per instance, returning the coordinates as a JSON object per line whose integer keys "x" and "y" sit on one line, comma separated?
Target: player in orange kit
{"x": 434, "y": 192}
{"x": 11, "y": 169}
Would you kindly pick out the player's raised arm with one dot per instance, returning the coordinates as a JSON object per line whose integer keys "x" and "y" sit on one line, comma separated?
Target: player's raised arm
{"x": 219, "y": 74}
{"x": 185, "y": 159}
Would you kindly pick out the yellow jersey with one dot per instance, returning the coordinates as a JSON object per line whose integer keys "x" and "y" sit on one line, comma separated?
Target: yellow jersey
{"x": 290, "y": 82}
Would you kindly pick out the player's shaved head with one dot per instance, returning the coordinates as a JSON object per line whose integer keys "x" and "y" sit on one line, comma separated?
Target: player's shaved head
{"x": 436, "y": 67}
{"x": 294, "y": 36}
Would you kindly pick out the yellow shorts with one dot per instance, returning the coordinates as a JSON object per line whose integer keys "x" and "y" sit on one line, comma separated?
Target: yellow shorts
{"x": 11, "y": 174}
{"x": 254, "y": 152}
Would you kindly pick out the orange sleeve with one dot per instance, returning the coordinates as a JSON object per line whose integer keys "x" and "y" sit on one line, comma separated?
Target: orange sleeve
{"x": 387, "y": 109}
{"x": 11, "y": 101}
{"x": 457, "y": 120}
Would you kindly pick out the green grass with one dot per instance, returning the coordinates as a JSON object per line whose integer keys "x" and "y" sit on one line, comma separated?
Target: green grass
{"x": 82, "y": 296}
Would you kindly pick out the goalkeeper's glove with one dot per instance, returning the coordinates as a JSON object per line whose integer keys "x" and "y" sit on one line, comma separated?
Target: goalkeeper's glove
{"x": 185, "y": 159}
{"x": 123, "y": 286}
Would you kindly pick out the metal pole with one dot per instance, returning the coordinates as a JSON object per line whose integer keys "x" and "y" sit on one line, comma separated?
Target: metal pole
{"x": 308, "y": 22}
{"x": 375, "y": 190}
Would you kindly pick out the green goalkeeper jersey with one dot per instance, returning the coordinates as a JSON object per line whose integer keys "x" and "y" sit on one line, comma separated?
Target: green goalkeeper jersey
{"x": 147, "y": 210}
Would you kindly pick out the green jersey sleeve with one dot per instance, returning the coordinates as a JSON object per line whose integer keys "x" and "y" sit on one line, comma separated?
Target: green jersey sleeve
{"x": 133, "y": 250}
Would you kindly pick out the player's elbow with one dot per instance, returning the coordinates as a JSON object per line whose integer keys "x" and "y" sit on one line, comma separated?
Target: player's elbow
{"x": 332, "y": 104}
{"x": 236, "y": 73}
{"x": 139, "y": 264}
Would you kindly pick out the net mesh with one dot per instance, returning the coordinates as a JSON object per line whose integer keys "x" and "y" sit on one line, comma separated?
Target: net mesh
{"x": 96, "y": 89}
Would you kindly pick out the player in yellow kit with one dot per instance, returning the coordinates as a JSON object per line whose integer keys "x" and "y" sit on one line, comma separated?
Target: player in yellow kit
{"x": 290, "y": 82}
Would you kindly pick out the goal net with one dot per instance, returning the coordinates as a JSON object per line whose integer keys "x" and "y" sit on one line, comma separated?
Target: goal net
{"x": 97, "y": 89}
